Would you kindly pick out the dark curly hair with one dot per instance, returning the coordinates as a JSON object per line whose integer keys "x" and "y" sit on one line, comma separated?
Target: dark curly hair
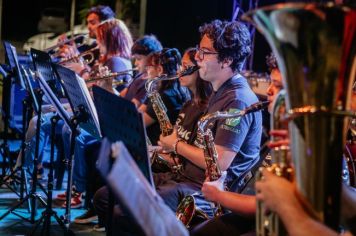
{"x": 103, "y": 12}
{"x": 271, "y": 62}
{"x": 230, "y": 39}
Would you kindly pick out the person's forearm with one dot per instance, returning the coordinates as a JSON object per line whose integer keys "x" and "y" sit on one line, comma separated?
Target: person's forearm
{"x": 298, "y": 223}
{"x": 238, "y": 203}
{"x": 191, "y": 153}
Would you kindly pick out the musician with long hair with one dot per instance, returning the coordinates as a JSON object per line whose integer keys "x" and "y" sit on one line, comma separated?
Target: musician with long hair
{"x": 189, "y": 178}
{"x": 115, "y": 43}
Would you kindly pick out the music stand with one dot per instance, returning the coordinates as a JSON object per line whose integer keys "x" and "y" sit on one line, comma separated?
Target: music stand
{"x": 137, "y": 196}
{"x": 61, "y": 113}
{"x": 13, "y": 71}
{"x": 84, "y": 115}
{"x": 33, "y": 195}
{"x": 120, "y": 120}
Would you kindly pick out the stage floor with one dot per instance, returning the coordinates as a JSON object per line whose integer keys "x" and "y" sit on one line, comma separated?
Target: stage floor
{"x": 14, "y": 225}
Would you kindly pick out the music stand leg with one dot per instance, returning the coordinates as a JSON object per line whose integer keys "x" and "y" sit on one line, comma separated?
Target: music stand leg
{"x": 33, "y": 195}
{"x": 49, "y": 212}
{"x": 70, "y": 166}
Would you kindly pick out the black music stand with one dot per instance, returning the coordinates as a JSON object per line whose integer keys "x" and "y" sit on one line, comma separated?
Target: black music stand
{"x": 61, "y": 114}
{"x": 136, "y": 195}
{"x": 120, "y": 121}
{"x": 84, "y": 115}
{"x": 74, "y": 88}
{"x": 36, "y": 97}
{"x": 11, "y": 75}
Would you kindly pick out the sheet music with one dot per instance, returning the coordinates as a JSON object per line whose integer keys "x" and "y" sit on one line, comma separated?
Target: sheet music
{"x": 53, "y": 99}
{"x": 79, "y": 97}
{"x": 143, "y": 202}
{"x": 89, "y": 100}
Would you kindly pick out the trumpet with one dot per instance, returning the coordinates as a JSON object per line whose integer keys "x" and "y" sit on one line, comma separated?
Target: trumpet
{"x": 70, "y": 40}
{"x": 110, "y": 76}
{"x": 89, "y": 52}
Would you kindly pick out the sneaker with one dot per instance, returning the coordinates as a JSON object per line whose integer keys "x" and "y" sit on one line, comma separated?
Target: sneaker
{"x": 88, "y": 217}
{"x": 63, "y": 196}
{"x": 99, "y": 228}
{"x": 75, "y": 202}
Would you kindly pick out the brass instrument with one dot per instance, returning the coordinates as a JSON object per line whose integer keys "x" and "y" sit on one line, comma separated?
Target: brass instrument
{"x": 259, "y": 82}
{"x": 316, "y": 57}
{"x": 160, "y": 109}
{"x": 89, "y": 53}
{"x": 187, "y": 209}
{"x": 269, "y": 224}
{"x": 70, "y": 40}
{"x": 110, "y": 75}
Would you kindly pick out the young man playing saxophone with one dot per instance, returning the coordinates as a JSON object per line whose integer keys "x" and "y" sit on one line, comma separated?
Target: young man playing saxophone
{"x": 221, "y": 54}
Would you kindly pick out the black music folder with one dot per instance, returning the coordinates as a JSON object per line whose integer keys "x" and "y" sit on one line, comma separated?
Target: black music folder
{"x": 53, "y": 99}
{"x": 12, "y": 60}
{"x": 78, "y": 96}
{"x": 138, "y": 197}
{"x": 120, "y": 121}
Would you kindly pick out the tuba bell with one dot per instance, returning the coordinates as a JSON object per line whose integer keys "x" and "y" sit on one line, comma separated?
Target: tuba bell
{"x": 315, "y": 46}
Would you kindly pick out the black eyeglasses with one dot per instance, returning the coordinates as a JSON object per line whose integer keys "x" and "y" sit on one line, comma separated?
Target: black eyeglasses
{"x": 201, "y": 52}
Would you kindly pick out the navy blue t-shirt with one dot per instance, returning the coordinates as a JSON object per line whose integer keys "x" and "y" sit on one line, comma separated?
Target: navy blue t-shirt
{"x": 242, "y": 135}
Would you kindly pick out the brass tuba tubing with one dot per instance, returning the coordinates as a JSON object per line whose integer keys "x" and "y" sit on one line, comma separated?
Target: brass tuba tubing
{"x": 270, "y": 224}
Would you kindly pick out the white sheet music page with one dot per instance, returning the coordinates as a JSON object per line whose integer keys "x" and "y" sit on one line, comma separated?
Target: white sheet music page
{"x": 93, "y": 111}
{"x": 145, "y": 205}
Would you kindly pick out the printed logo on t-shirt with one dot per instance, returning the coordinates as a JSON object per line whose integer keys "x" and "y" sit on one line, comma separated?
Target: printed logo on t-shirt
{"x": 182, "y": 133}
{"x": 232, "y": 123}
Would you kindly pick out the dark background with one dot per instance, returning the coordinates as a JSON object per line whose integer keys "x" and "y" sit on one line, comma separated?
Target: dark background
{"x": 174, "y": 22}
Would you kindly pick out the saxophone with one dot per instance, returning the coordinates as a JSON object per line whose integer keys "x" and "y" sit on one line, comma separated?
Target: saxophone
{"x": 187, "y": 209}
{"x": 269, "y": 224}
{"x": 157, "y": 161}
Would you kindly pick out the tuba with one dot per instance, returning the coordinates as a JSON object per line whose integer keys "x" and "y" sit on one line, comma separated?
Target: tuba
{"x": 187, "y": 211}
{"x": 315, "y": 47}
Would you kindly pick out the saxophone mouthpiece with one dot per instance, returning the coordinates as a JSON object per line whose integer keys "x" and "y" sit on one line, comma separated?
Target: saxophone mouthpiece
{"x": 190, "y": 70}
{"x": 256, "y": 107}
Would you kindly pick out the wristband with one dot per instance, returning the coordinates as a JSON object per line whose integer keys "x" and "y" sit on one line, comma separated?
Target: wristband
{"x": 176, "y": 144}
